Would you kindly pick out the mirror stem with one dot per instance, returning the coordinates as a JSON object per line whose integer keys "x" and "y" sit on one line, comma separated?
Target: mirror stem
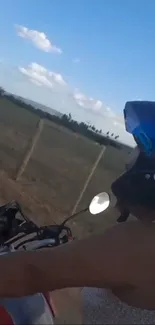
{"x": 74, "y": 215}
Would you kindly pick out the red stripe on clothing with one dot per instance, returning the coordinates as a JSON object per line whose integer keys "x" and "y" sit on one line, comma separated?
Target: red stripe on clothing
{"x": 5, "y": 318}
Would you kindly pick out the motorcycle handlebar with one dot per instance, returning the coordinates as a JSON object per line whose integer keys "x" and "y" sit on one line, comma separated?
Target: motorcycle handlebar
{"x": 16, "y": 230}
{"x": 34, "y": 244}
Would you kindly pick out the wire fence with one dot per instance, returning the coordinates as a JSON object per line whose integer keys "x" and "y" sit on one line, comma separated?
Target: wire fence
{"x": 54, "y": 169}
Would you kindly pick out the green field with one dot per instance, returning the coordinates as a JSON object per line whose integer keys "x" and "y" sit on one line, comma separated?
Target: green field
{"x": 57, "y": 169}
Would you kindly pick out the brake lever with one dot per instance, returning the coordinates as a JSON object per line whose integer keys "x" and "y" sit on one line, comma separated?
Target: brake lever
{"x": 53, "y": 231}
{"x": 49, "y": 232}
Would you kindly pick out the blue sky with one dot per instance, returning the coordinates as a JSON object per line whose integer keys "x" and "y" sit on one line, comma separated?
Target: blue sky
{"x": 92, "y": 58}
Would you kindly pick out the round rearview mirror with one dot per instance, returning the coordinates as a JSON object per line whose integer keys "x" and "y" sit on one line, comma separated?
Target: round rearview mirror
{"x": 99, "y": 203}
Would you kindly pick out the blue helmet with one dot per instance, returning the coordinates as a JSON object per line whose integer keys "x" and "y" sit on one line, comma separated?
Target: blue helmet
{"x": 139, "y": 119}
{"x": 137, "y": 185}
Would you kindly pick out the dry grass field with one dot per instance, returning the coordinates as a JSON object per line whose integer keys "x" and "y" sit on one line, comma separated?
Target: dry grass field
{"x": 56, "y": 171}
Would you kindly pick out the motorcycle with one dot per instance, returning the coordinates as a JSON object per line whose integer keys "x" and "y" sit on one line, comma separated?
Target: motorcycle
{"x": 18, "y": 232}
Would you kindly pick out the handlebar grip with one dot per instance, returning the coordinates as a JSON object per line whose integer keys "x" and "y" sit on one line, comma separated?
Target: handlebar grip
{"x": 40, "y": 244}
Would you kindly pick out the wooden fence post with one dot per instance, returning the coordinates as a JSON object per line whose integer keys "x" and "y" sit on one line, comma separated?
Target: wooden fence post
{"x": 29, "y": 150}
{"x": 83, "y": 190}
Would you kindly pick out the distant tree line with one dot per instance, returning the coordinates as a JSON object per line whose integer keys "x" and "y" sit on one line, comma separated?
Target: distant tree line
{"x": 65, "y": 120}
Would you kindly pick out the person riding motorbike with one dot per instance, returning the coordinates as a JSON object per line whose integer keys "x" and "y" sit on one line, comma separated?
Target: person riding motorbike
{"x": 116, "y": 269}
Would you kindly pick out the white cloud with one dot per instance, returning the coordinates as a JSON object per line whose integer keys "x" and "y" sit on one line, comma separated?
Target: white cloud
{"x": 110, "y": 113}
{"x": 35, "y": 82}
{"x": 65, "y": 99}
{"x": 95, "y": 105}
{"x": 98, "y": 105}
{"x": 50, "y": 88}
{"x": 119, "y": 122}
{"x": 39, "y": 39}
{"x": 98, "y": 108}
{"x": 79, "y": 97}
{"x": 40, "y": 76}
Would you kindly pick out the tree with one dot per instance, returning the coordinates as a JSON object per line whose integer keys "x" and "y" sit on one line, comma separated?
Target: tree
{"x": 85, "y": 129}
{"x": 93, "y": 128}
{"x": 2, "y": 92}
{"x": 69, "y": 116}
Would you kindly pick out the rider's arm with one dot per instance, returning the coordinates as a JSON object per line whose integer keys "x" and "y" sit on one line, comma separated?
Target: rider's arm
{"x": 98, "y": 261}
